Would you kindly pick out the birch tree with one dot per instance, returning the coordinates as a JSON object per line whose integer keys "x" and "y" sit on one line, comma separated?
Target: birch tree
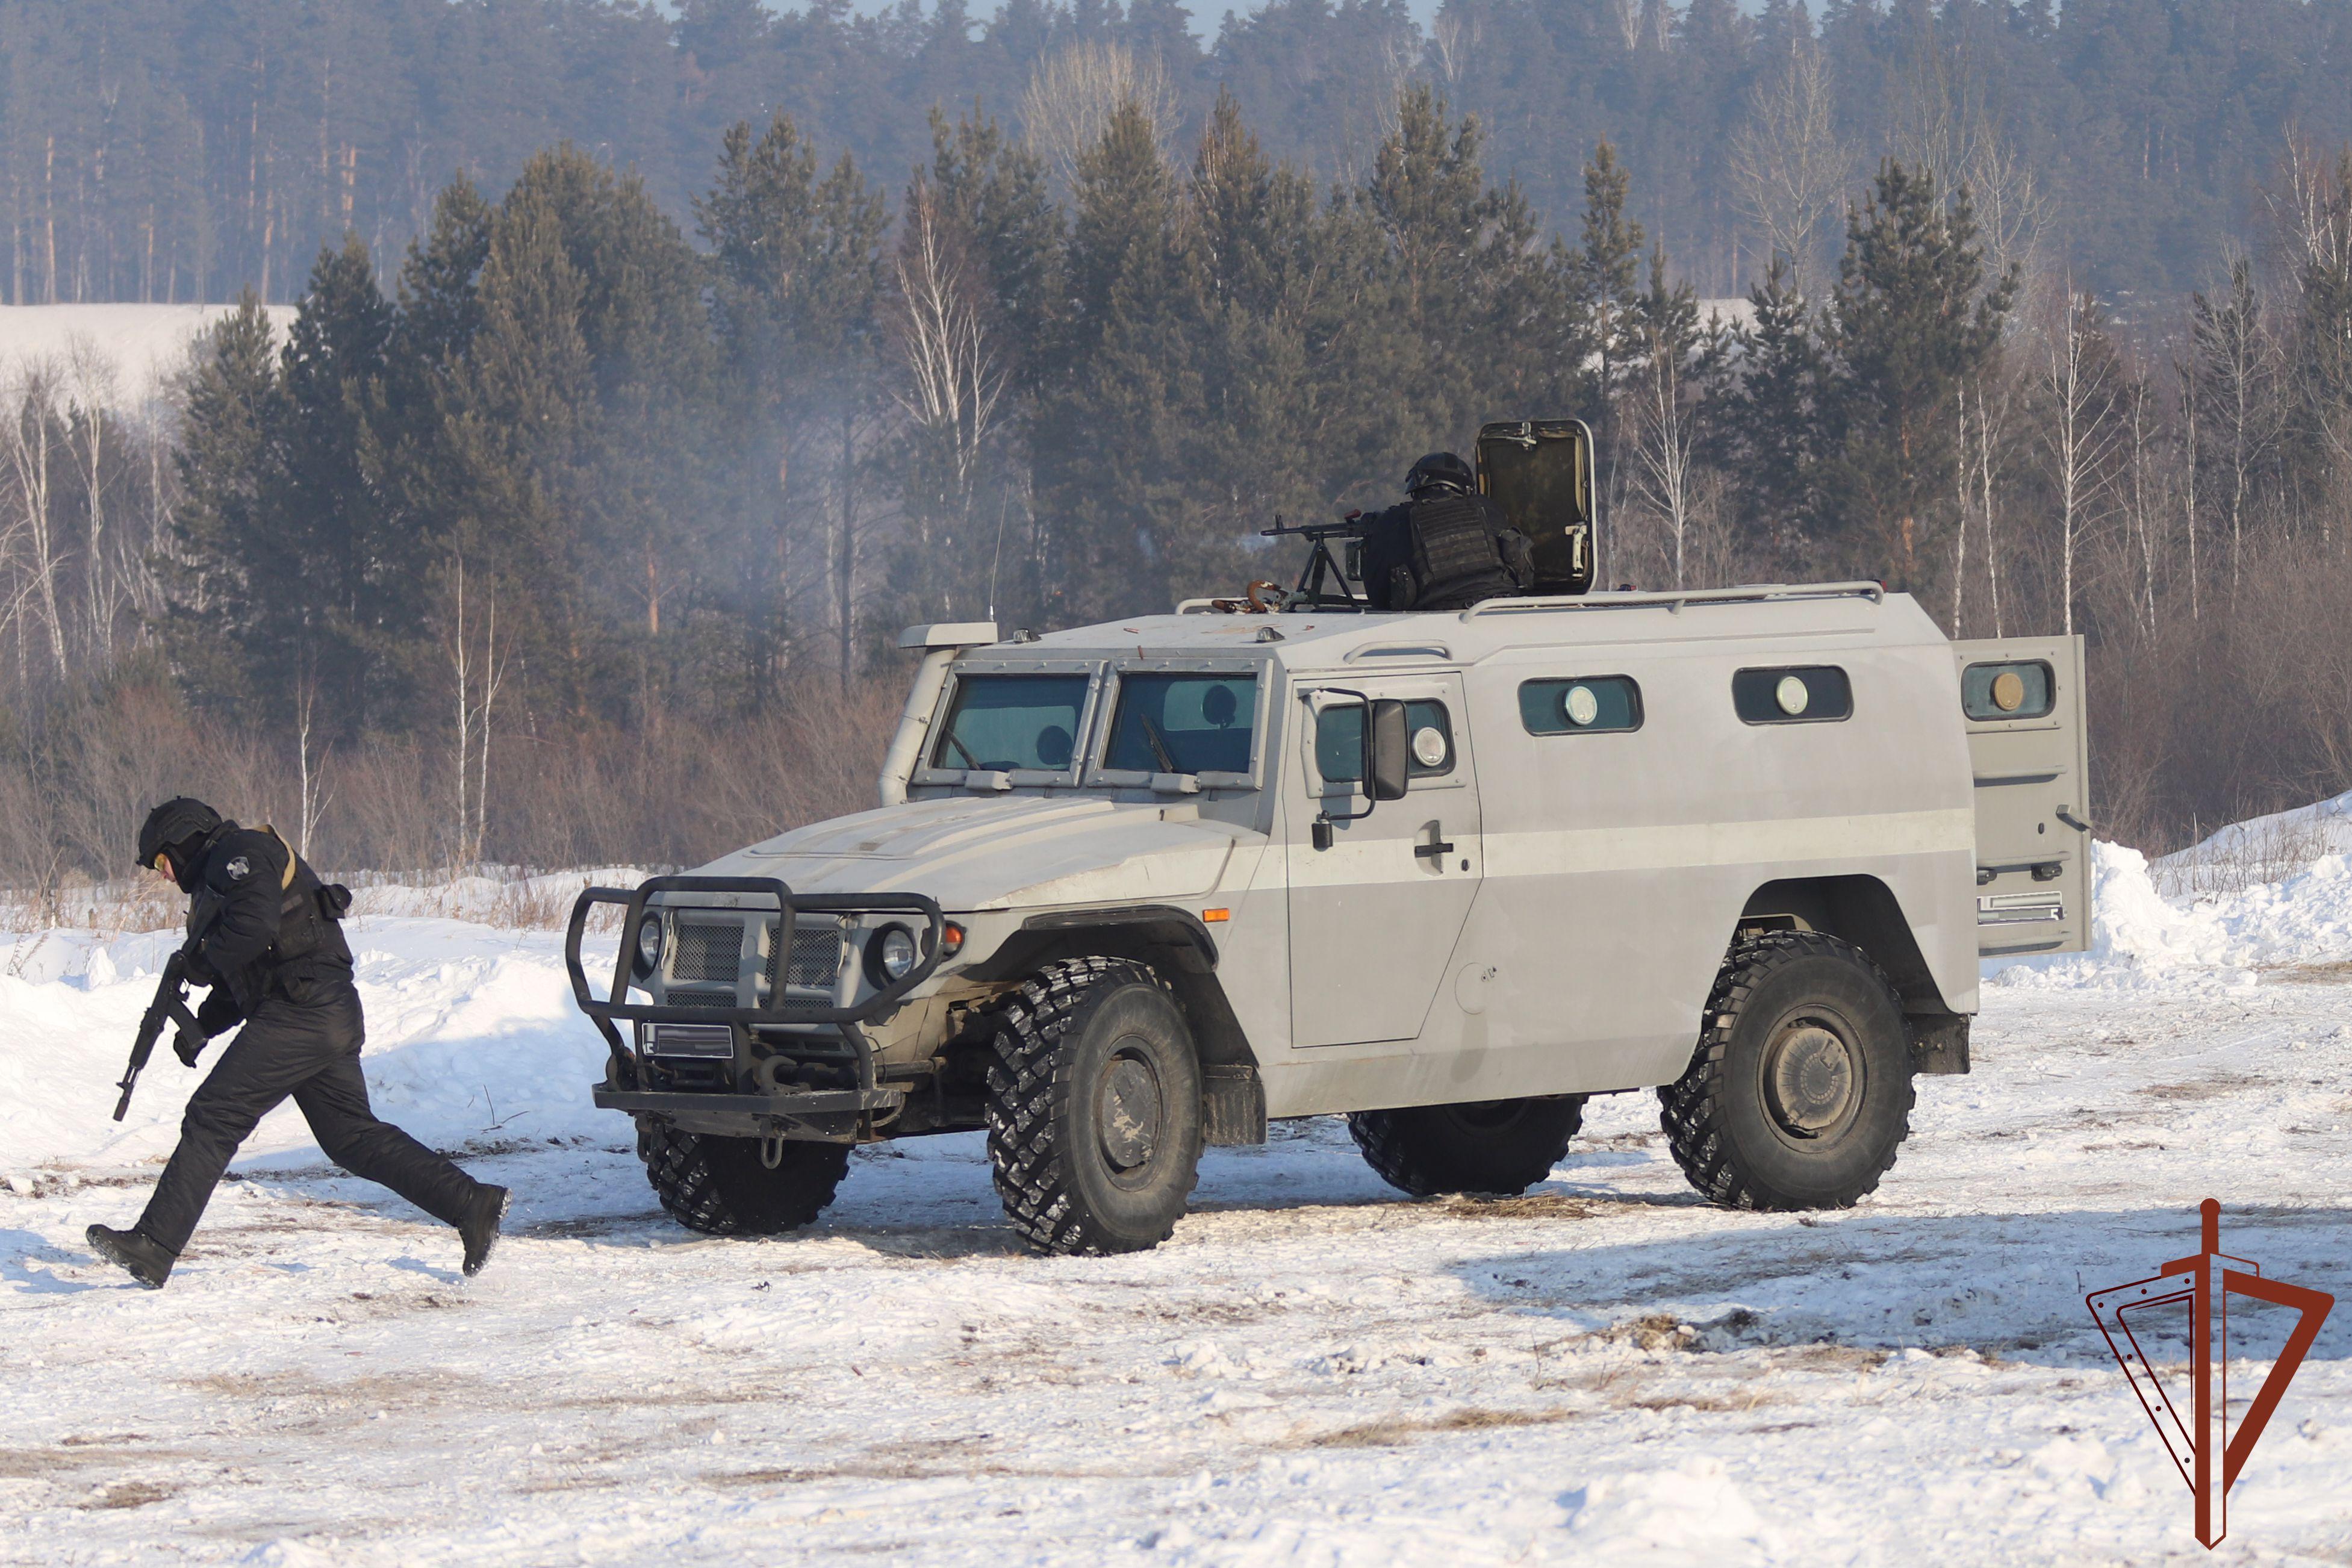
{"x": 2081, "y": 429}
{"x": 1789, "y": 165}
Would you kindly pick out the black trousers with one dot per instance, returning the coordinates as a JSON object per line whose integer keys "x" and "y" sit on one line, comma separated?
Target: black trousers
{"x": 310, "y": 1051}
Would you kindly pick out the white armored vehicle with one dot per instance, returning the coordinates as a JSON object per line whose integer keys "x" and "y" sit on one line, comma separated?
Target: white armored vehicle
{"x": 1141, "y": 886}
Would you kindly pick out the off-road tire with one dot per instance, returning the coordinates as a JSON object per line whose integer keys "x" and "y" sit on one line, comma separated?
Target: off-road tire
{"x": 718, "y": 1185}
{"x": 1800, "y": 1092}
{"x": 1499, "y": 1147}
{"x": 1094, "y": 1107}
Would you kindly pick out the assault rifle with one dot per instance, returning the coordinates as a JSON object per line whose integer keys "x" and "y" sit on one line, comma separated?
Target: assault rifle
{"x": 170, "y": 1006}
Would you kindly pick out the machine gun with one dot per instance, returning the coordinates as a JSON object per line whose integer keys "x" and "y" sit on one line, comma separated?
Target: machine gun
{"x": 1323, "y": 581}
{"x": 170, "y": 1006}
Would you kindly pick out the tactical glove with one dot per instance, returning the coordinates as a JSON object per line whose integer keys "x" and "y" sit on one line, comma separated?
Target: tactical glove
{"x": 187, "y": 1045}
{"x": 199, "y": 972}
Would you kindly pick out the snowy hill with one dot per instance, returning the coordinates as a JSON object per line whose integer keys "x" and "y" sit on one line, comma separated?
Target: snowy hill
{"x": 1314, "y": 1370}
{"x": 140, "y": 346}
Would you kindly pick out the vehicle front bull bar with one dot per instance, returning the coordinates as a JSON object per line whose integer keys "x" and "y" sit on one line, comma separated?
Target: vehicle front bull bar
{"x": 604, "y": 1013}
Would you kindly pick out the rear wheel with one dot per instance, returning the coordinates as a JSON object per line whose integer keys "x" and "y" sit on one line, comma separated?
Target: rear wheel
{"x": 720, "y": 1186}
{"x": 1799, "y": 1093}
{"x": 1497, "y": 1146}
{"x": 1094, "y": 1107}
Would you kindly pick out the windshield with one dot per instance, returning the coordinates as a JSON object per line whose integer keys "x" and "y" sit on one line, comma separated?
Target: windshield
{"x": 1183, "y": 723}
{"x": 1001, "y": 723}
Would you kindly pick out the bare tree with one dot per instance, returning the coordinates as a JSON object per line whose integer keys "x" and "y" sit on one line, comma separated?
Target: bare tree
{"x": 1662, "y": 476}
{"x": 1789, "y": 165}
{"x": 1453, "y": 35}
{"x": 1943, "y": 125}
{"x": 476, "y": 678}
{"x": 1991, "y": 416}
{"x": 1072, "y": 93}
{"x": 91, "y": 394}
{"x": 955, "y": 377}
{"x": 2144, "y": 484}
{"x": 1627, "y": 14}
{"x": 29, "y": 411}
{"x": 310, "y": 760}
{"x": 2236, "y": 377}
{"x": 2080, "y": 429}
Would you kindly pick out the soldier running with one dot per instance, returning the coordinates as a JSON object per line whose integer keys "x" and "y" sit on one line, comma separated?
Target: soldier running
{"x": 265, "y": 935}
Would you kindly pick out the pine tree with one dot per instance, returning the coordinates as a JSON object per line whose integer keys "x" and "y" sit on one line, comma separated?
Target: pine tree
{"x": 1772, "y": 414}
{"x": 340, "y": 583}
{"x": 1109, "y": 423}
{"x": 227, "y": 463}
{"x": 1910, "y": 321}
{"x": 800, "y": 265}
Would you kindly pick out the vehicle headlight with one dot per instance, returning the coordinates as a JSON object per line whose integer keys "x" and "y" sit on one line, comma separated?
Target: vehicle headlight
{"x": 649, "y": 944}
{"x": 894, "y": 953}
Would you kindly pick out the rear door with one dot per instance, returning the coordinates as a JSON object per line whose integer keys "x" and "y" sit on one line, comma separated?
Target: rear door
{"x": 2029, "y": 746}
{"x": 1374, "y": 919}
{"x": 1539, "y": 472}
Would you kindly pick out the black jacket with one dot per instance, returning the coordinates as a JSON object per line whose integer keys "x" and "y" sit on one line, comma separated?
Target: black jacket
{"x": 261, "y": 922}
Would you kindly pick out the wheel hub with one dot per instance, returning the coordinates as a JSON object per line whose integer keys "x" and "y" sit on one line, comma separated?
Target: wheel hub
{"x": 1809, "y": 1080}
{"x": 1128, "y": 1112}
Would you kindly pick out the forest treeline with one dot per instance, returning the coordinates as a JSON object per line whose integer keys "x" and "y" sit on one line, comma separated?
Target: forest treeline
{"x": 188, "y": 149}
{"x": 569, "y": 535}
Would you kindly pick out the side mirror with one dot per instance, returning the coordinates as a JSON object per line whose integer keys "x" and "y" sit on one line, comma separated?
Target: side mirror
{"x": 1387, "y": 761}
{"x": 1387, "y": 750}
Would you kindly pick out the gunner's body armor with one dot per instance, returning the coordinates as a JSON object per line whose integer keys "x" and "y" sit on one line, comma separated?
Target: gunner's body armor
{"x": 1444, "y": 550}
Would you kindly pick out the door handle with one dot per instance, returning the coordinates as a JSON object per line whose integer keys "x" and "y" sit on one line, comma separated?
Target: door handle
{"x": 1436, "y": 849}
{"x": 2067, "y": 815}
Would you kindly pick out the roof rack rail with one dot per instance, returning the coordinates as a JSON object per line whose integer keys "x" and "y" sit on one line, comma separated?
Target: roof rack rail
{"x": 1674, "y": 600}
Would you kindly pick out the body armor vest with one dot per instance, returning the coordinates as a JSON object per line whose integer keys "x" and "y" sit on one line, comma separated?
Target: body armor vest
{"x": 1457, "y": 554}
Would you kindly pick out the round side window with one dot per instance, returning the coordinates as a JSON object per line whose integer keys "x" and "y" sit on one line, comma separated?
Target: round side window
{"x": 1579, "y": 705}
{"x": 1429, "y": 746}
{"x": 1792, "y": 695}
{"x": 2009, "y": 691}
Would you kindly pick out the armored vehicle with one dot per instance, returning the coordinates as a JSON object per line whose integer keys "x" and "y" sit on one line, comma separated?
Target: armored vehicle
{"x": 1137, "y": 887}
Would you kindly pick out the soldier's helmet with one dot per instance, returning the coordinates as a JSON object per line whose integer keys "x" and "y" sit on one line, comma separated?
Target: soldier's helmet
{"x": 1440, "y": 472}
{"x": 173, "y": 826}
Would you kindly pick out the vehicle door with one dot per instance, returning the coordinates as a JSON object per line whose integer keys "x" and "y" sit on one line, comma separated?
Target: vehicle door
{"x": 1375, "y": 917}
{"x": 2029, "y": 748}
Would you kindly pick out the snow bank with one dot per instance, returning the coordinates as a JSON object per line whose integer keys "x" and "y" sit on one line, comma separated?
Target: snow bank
{"x": 2263, "y": 848}
{"x": 2142, "y": 937}
{"x": 140, "y": 346}
{"x": 472, "y": 1039}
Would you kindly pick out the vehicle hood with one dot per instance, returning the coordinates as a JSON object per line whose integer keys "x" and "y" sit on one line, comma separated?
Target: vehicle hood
{"x": 1018, "y": 852}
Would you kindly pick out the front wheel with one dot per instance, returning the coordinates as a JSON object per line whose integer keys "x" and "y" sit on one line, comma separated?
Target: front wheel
{"x": 1500, "y": 1147}
{"x": 1094, "y": 1107}
{"x": 1800, "y": 1092}
{"x": 721, "y": 1186}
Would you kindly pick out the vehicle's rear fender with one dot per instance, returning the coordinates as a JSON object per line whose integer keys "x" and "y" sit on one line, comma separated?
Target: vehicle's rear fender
{"x": 1865, "y": 911}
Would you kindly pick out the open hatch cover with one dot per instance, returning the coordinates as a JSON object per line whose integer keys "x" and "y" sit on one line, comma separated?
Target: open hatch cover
{"x": 1539, "y": 472}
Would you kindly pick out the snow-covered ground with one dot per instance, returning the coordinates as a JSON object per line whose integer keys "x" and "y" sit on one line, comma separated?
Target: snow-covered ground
{"x": 1313, "y": 1371}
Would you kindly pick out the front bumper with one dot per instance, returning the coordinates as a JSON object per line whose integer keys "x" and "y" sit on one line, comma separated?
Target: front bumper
{"x": 829, "y": 1116}
{"x": 825, "y": 1113}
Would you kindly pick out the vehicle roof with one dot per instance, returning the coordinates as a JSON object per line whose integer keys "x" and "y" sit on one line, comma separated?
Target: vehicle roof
{"x": 1818, "y": 614}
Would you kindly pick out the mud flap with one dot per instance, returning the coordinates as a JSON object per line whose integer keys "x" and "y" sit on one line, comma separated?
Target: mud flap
{"x": 1233, "y": 1105}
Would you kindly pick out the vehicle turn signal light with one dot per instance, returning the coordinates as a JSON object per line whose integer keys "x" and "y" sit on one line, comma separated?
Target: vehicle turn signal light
{"x": 950, "y": 939}
{"x": 1213, "y": 916}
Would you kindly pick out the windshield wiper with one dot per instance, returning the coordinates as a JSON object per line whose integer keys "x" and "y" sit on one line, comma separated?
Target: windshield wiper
{"x": 1158, "y": 745}
{"x": 970, "y": 760}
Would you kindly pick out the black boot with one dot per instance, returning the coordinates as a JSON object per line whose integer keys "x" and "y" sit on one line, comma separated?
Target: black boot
{"x": 150, "y": 1262}
{"x": 481, "y": 1227}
